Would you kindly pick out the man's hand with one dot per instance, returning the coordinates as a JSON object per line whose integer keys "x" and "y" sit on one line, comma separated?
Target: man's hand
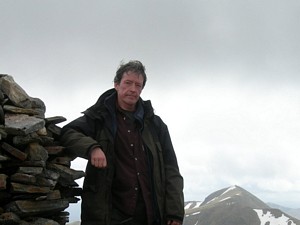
{"x": 98, "y": 158}
{"x": 173, "y": 222}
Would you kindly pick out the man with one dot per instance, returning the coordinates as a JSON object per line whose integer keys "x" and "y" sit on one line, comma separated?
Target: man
{"x": 132, "y": 175}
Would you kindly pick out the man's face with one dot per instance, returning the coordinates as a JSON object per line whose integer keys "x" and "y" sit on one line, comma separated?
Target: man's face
{"x": 129, "y": 90}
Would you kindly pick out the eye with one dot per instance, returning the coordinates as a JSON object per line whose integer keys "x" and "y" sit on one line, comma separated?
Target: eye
{"x": 139, "y": 86}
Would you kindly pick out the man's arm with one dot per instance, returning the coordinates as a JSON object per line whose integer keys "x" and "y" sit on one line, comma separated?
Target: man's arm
{"x": 79, "y": 137}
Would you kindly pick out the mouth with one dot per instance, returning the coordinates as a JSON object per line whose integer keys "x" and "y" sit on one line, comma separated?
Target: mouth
{"x": 131, "y": 96}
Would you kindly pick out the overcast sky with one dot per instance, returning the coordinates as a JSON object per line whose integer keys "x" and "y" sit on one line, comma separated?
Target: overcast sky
{"x": 223, "y": 75}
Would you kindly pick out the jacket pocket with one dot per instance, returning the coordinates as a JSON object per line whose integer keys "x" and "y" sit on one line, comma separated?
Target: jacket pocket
{"x": 93, "y": 206}
{"x": 95, "y": 179}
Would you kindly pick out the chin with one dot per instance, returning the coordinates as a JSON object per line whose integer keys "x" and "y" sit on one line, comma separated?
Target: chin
{"x": 132, "y": 101}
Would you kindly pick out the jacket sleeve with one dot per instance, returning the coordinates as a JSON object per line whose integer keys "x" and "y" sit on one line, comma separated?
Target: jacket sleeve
{"x": 79, "y": 137}
{"x": 174, "y": 180}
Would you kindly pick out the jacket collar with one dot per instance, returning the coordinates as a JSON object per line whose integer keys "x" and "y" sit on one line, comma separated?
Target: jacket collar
{"x": 107, "y": 102}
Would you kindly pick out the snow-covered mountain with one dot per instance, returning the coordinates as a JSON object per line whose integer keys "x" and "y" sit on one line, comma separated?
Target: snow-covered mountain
{"x": 234, "y": 206}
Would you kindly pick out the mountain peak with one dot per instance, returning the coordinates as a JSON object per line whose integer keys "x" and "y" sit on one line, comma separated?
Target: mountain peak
{"x": 234, "y": 195}
{"x": 234, "y": 206}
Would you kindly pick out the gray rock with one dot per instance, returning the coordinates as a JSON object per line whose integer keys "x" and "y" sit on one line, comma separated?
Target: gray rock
{"x": 43, "y": 221}
{"x": 14, "y": 151}
{"x": 55, "y": 119}
{"x": 30, "y": 170}
{"x": 22, "y": 124}
{"x": 18, "y": 110}
{"x": 25, "y": 140}
{"x": 15, "y": 93}
{"x": 36, "y": 152}
{"x": 31, "y": 208}
{"x": 29, "y": 189}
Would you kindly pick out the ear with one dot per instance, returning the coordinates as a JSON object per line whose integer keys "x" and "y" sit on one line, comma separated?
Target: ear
{"x": 116, "y": 86}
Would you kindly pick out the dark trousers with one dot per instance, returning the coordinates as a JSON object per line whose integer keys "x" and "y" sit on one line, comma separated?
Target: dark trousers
{"x": 118, "y": 218}
{"x": 139, "y": 217}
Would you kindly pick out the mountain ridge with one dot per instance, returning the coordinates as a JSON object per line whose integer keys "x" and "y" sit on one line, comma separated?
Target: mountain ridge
{"x": 234, "y": 206}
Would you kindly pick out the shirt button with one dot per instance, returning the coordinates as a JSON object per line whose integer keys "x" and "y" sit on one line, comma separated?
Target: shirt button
{"x": 135, "y": 158}
{"x": 138, "y": 173}
{"x": 131, "y": 145}
{"x": 129, "y": 131}
{"x": 136, "y": 188}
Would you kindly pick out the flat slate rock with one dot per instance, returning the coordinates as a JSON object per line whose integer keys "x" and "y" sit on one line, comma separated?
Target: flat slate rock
{"x": 22, "y": 124}
{"x": 55, "y": 149}
{"x": 66, "y": 172}
{"x": 31, "y": 189}
{"x": 55, "y": 120}
{"x": 18, "y": 110}
{"x": 30, "y": 170}
{"x": 27, "y": 139}
{"x": 14, "y": 151}
{"x": 32, "y": 208}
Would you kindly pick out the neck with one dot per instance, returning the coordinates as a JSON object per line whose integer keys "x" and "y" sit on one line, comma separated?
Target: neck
{"x": 125, "y": 107}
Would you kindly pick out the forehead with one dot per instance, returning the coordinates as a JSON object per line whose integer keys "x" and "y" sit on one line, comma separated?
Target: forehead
{"x": 134, "y": 76}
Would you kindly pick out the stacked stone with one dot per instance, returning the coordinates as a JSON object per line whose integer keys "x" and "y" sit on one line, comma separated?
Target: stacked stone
{"x": 37, "y": 182}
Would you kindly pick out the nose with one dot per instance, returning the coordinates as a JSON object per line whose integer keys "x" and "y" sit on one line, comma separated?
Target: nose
{"x": 133, "y": 88}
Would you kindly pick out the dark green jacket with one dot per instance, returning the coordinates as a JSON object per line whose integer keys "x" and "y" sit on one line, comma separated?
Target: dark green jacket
{"x": 97, "y": 127}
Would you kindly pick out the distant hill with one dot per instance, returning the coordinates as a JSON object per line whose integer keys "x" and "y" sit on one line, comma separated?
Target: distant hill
{"x": 235, "y": 206}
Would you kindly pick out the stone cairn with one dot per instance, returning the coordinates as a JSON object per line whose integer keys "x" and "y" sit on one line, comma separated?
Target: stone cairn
{"x": 37, "y": 182}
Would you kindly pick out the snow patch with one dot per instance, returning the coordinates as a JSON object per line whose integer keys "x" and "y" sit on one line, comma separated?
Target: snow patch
{"x": 229, "y": 189}
{"x": 224, "y": 199}
{"x": 188, "y": 205}
{"x": 197, "y": 204}
{"x": 268, "y": 217}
